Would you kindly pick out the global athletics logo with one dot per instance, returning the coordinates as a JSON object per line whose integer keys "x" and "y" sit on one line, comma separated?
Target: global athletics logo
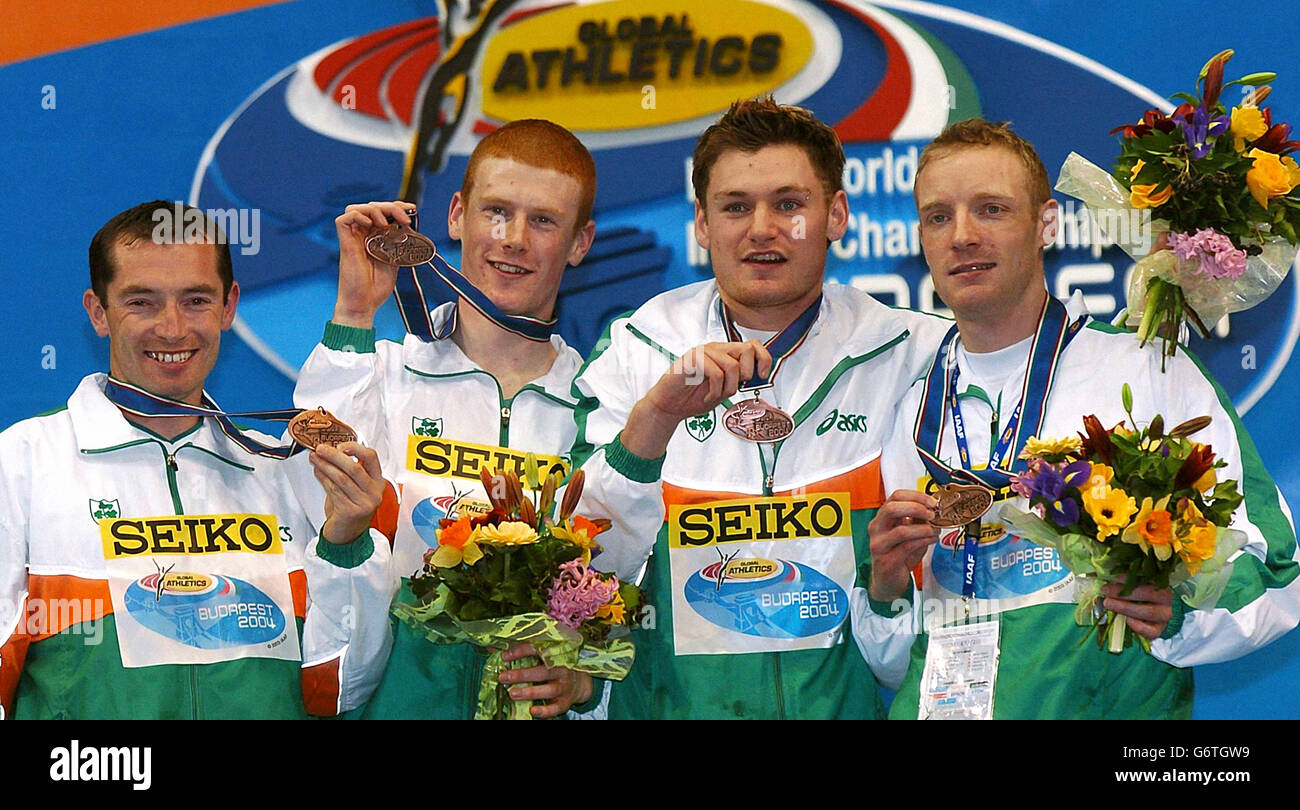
{"x": 399, "y": 109}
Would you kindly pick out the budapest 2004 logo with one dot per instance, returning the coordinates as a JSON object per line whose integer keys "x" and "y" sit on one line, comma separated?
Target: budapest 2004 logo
{"x": 205, "y": 611}
{"x": 767, "y": 598}
{"x": 394, "y": 113}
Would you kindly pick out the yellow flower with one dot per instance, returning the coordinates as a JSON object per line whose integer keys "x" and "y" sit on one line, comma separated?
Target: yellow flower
{"x": 612, "y": 611}
{"x": 456, "y": 544}
{"x": 1110, "y": 508}
{"x": 1196, "y": 537}
{"x": 580, "y": 532}
{"x": 1146, "y": 196}
{"x": 1151, "y": 529}
{"x": 1039, "y": 448}
{"x": 1141, "y": 196}
{"x": 509, "y": 533}
{"x": 1206, "y": 482}
{"x": 1269, "y": 176}
{"x": 1247, "y": 125}
{"x": 1101, "y": 475}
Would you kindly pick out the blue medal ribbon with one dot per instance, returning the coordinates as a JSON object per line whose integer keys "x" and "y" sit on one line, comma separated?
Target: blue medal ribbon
{"x": 780, "y": 346}
{"x": 411, "y": 303}
{"x": 939, "y": 398}
{"x": 139, "y": 402}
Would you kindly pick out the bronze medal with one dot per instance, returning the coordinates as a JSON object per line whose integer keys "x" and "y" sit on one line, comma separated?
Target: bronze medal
{"x": 401, "y": 245}
{"x": 960, "y": 505}
{"x": 319, "y": 426}
{"x": 756, "y": 421}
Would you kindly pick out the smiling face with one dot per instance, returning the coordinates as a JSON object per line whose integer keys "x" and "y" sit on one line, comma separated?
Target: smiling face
{"x": 164, "y": 316}
{"x": 983, "y": 236}
{"x": 518, "y": 229}
{"x": 766, "y": 220}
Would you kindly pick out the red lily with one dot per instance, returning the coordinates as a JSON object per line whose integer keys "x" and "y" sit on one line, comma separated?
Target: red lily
{"x": 1275, "y": 139}
{"x": 1096, "y": 444}
{"x": 1151, "y": 120}
{"x": 1200, "y": 460}
{"x": 1214, "y": 78}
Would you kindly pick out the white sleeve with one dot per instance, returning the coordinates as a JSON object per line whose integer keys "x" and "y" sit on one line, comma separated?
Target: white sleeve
{"x": 347, "y": 635}
{"x": 13, "y": 571}
{"x": 345, "y": 374}
{"x": 885, "y": 633}
{"x": 1262, "y": 600}
{"x": 619, "y": 486}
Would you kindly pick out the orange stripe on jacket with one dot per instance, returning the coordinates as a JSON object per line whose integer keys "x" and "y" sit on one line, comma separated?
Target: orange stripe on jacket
{"x": 54, "y": 603}
{"x": 298, "y": 587}
{"x": 385, "y": 517}
{"x": 865, "y": 487}
{"x": 321, "y": 686}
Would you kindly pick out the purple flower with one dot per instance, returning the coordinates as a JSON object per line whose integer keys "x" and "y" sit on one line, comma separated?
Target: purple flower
{"x": 1217, "y": 256}
{"x": 1023, "y": 485}
{"x": 1050, "y": 486}
{"x": 1202, "y": 131}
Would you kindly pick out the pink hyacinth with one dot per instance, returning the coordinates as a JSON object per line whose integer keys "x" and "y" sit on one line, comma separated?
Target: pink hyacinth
{"x": 1021, "y": 484}
{"x": 1216, "y": 253}
{"x": 577, "y": 593}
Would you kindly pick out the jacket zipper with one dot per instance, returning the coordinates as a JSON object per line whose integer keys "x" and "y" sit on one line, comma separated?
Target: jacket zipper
{"x": 780, "y": 686}
{"x": 176, "y": 503}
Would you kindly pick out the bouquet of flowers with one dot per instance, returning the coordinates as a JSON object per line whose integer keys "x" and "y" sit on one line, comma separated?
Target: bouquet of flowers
{"x": 517, "y": 575}
{"x": 1141, "y": 505}
{"x": 1222, "y": 187}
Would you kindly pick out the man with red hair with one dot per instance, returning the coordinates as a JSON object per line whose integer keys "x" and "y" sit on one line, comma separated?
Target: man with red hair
{"x": 477, "y": 393}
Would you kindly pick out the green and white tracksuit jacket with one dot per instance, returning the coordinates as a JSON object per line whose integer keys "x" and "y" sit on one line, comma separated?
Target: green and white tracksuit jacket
{"x": 147, "y": 578}
{"x": 435, "y": 419}
{"x": 1043, "y": 671}
{"x": 754, "y": 551}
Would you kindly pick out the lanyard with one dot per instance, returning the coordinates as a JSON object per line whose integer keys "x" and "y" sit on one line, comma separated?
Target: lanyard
{"x": 781, "y": 345}
{"x": 137, "y": 401}
{"x": 939, "y": 397}
{"x": 411, "y": 303}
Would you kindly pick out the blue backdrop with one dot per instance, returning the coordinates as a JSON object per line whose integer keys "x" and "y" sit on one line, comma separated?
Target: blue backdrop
{"x": 209, "y": 111}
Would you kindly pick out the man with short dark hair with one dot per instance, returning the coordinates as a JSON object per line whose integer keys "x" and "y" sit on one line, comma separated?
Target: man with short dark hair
{"x": 733, "y": 429}
{"x": 481, "y": 391}
{"x": 157, "y": 564}
{"x": 1015, "y": 352}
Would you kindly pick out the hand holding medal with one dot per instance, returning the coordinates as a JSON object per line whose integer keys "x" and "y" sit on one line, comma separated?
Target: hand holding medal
{"x": 901, "y": 531}
{"x": 373, "y": 239}
{"x": 354, "y": 488}
{"x": 696, "y": 383}
{"x": 755, "y": 420}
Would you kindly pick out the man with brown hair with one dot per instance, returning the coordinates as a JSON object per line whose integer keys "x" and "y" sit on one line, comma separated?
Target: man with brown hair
{"x": 155, "y": 561}
{"x": 476, "y": 394}
{"x": 1019, "y": 363}
{"x": 733, "y": 429}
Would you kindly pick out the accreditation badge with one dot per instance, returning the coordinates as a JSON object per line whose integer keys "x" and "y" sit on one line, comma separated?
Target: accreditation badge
{"x": 961, "y": 670}
{"x": 198, "y": 589}
{"x": 765, "y": 574}
{"x": 441, "y": 480}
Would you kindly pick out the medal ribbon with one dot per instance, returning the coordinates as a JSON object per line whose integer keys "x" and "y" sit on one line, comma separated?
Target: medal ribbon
{"x": 780, "y": 346}
{"x": 939, "y": 396}
{"x": 414, "y": 308}
{"x": 137, "y": 401}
